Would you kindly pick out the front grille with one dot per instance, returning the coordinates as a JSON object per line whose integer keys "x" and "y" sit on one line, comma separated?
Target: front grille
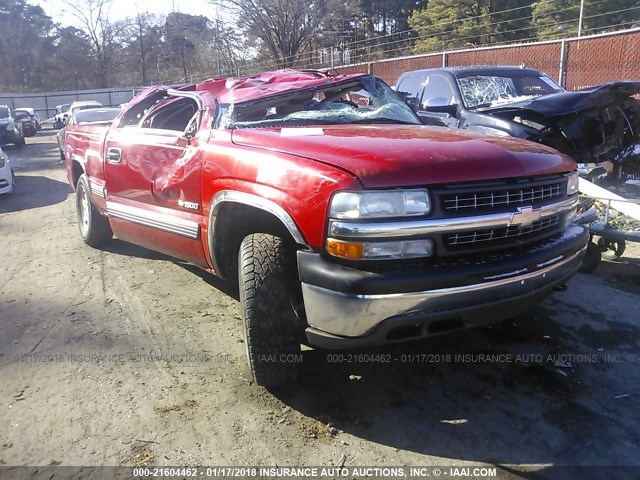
{"x": 528, "y": 232}
{"x": 494, "y": 199}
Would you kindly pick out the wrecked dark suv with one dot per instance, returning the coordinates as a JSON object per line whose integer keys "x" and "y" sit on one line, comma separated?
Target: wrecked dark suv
{"x": 599, "y": 127}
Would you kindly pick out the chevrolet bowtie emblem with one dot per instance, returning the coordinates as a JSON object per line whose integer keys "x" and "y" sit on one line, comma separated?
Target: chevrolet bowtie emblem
{"x": 525, "y": 216}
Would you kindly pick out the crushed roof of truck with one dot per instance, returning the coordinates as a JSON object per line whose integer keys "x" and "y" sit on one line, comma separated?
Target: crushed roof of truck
{"x": 243, "y": 89}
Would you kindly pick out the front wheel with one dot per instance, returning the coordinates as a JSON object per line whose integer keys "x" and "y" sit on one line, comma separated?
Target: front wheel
{"x": 13, "y": 183}
{"x": 266, "y": 271}
{"x": 94, "y": 227}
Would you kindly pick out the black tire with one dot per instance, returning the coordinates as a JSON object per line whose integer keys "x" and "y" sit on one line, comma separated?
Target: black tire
{"x": 58, "y": 125}
{"x": 94, "y": 228}
{"x": 266, "y": 276}
{"x": 611, "y": 249}
{"x": 13, "y": 183}
{"x": 591, "y": 259}
{"x": 20, "y": 141}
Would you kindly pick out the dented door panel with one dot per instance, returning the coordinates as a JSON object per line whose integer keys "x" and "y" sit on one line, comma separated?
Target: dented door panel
{"x": 147, "y": 192}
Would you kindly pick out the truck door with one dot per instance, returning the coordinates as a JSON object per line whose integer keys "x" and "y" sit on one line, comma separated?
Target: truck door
{"x": 153, "y": 175}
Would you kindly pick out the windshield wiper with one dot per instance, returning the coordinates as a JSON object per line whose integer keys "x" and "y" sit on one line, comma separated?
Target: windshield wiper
{"x": 481, "y": 105}
{"x": 385, "y": 120}
{"x": 298, "y": 122}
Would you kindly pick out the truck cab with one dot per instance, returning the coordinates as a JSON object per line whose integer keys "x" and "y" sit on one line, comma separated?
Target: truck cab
{"x": 599, "y": 127}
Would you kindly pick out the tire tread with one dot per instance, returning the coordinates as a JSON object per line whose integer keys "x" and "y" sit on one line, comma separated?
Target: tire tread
{"x": 265, "y": 280}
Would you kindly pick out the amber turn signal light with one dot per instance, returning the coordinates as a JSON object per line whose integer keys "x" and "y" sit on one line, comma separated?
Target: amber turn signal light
{"x": 338, "y": 248}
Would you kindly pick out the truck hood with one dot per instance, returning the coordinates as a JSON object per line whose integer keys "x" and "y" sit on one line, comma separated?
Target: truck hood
{"x": 565, "y": 103}
{"x": 411, "y": 155}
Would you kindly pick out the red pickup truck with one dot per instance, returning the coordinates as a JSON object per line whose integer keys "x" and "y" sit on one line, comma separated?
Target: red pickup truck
{"x": 345, "y": 220}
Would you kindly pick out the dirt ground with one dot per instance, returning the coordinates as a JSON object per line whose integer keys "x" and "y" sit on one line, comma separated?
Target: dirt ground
{"x": 127, "y": 357}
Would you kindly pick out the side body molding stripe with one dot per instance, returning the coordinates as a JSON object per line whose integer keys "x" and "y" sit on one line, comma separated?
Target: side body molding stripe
{"x": 160, "y": 221}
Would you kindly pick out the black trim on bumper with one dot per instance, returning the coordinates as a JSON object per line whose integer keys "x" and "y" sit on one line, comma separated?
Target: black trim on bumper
{"x": 316, "y": 270}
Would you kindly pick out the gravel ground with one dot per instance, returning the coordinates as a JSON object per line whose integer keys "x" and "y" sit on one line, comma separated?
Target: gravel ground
{"x": 128, "y": 357}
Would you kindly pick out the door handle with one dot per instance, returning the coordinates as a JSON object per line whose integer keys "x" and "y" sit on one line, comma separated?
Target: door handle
{"x": 114, "y": 155}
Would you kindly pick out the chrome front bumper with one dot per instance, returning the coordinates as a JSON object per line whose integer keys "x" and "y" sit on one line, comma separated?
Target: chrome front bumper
{"x": 340, "y": 314}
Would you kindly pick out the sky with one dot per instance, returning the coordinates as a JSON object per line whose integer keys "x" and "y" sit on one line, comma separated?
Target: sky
{"x": 120, "y": 9}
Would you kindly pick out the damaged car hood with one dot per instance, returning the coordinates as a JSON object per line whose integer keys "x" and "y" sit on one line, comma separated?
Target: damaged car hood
{"x": 391, "y": 155}
{"x": 566, "y": 103}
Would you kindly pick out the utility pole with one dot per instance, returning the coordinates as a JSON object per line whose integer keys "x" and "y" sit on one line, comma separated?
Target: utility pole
{"x": 580, "y": 18}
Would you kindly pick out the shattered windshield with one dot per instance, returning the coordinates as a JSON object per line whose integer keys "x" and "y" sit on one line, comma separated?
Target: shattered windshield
{"x": 364, "y": 100}
{"x": 495, "y": 90}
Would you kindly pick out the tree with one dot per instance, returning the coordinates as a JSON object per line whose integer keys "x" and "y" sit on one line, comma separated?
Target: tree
{"x": 556, "y": 18}
{"x": 71, "y": 62}
{"x": 282, "y": 29}
{"x": 228, "y": 51}
{"x": 25, "y": 45}
{"x": 93, "y": 15}
{"x": 443, "y": 25}
{"x": 511, "y": 21}
{"x": 184, "y": 36}
{"x": 559, "y": 18}
{"x": 141, "y": 41}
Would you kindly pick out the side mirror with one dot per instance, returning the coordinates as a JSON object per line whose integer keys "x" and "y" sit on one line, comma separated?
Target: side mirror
{"x": 436, "y": 102}
{"x": 440, "y": 105}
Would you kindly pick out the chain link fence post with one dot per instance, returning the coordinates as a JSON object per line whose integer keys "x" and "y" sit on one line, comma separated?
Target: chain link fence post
{"x": 562, "y": 73}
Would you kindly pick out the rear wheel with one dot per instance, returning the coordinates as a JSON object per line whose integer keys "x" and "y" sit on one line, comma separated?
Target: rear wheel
{"x": 611, "y": 249}
{"x": 267, "y": 287}
{"x": 20, "y": 141}
{"x": 94, "y": 227}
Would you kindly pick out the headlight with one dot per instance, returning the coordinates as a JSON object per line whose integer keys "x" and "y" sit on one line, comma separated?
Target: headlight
{"x": 375, "y": 204}
{"x": 573, "y": 182}
{"x": 10, "y": 126}
{"x": 2, "y": 160}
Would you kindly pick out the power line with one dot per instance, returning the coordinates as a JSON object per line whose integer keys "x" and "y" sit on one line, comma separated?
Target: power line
{"x": 375, "y": 42}
{"x": 408, "y": 44}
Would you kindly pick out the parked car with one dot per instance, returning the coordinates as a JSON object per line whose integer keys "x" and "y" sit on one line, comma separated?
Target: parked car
{"x": 28, "y": 125}
{"x": 344, "y": 226}
{"x": 62, "y": 112}
{"x": 34, "y": 116}
{"x": 80, "y": 118}
{"x": 61, "y": 118}
{"x": 11, "y": 130}
{"x": 7, "y": 177}
{"x": 599, "y": 126}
